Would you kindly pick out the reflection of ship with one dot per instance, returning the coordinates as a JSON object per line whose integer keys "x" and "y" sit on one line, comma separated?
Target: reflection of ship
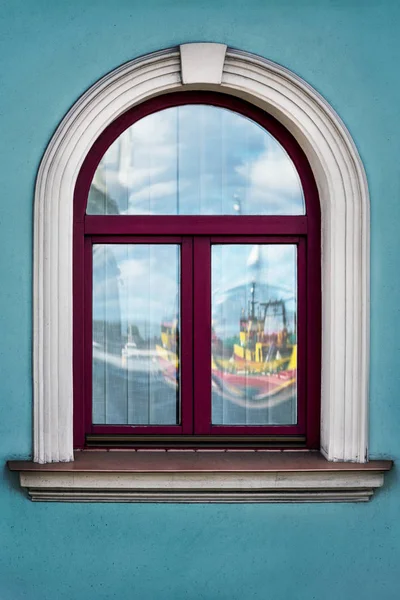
{"x": 261, "y": 366}
{"x": 258, "y": 368}
{"x": 168, "y": 355}
{"x": 138, "y": 349}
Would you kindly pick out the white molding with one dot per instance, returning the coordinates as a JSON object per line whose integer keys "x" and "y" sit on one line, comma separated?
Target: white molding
{"x": 335, "y": 486}
{"x": 345, "y": 235}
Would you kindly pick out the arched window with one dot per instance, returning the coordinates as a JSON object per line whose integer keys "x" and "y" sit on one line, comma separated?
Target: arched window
{"x": 197, "y": 294}
{"x": 344, "y": 202}
{"x": 201, "y": 332}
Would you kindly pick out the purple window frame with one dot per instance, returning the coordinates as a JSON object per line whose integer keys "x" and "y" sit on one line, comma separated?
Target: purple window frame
{"x": 196, "y": 234}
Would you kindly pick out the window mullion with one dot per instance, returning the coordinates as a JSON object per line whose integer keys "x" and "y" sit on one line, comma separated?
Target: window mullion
{"x": 186, "y": 336}
{"x": 202, "y": 334}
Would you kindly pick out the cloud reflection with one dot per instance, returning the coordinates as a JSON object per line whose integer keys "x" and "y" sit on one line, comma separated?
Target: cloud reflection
{"x": 196, "y": 159}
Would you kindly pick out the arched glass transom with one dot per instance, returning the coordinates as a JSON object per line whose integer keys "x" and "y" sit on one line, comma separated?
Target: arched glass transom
{"x": 196, "y": 159}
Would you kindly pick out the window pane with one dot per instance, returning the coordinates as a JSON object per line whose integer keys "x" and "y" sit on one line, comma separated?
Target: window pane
{"x": 196, "y": 160}
{"x": 136, "y": 318}
{"x": 254, "y": 334}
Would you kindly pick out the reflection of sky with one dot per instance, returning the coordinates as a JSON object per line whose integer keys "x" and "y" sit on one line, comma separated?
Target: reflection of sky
{"x": 236, "y": 267}
{"x": 196, "y": 159}
{"x": 136, "y": 284}
{"x": 136, "y": 289}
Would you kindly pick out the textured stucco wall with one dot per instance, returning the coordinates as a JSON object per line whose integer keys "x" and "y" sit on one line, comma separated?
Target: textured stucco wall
{"x": 50, "y": 52}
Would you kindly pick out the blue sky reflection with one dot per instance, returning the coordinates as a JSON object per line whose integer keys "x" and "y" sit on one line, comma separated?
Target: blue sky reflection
{"x": 192, "y": 160}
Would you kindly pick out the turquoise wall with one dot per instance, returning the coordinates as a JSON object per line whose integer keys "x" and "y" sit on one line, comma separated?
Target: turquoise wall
{"x": 50, "y": 52}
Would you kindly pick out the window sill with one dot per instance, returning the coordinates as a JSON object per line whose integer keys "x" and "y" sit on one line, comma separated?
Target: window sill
{"x": 200, "y": 476}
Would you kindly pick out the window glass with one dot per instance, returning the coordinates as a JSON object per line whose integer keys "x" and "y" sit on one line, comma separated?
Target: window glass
{"x": 254, "y": 334}
{"x": 196, "y": 160}
{"x": 136, "y": 316}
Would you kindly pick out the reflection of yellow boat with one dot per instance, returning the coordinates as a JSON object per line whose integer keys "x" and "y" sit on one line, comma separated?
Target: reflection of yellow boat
{"x": 256, "y": 390}
{"x": 169, "y": 365}
{"x": 262, "y": 364}
{"x": 265, "y": 343}
{"x": 168, "y": 356}
{"x": 242, "y": 360}
{"x": 167, "y": 353}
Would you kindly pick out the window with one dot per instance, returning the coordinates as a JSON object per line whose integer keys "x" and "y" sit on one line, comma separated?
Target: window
{"x": 197, "y": 309}
{"x": 344, "y": 203}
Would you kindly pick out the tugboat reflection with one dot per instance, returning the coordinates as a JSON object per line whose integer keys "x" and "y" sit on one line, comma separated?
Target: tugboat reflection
{"x": 257, "y": 368}
{"x": 254, "y": 345}
{"x": 254, "y": 369}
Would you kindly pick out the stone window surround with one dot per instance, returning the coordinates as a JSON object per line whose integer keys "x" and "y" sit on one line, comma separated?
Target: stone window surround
{"x": 344, "y": 198}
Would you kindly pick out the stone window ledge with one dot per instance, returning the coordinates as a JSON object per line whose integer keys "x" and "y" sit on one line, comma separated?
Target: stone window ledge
{"x": 200, "y": 476}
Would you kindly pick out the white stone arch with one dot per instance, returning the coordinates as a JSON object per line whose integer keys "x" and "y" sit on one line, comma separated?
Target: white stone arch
{"x": 344, "y": 200}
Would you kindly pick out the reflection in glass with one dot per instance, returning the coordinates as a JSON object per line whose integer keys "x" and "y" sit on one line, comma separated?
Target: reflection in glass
{"x": 196, "y": 160}
{"x": 135, "y": 334}
{"x": 254, "y": 334}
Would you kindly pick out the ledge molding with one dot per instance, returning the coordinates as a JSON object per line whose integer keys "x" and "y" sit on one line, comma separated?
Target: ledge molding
{"x": 256, "y": 477}
{"x": 343, "y": 191}
{"x": 205, "y": 488}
